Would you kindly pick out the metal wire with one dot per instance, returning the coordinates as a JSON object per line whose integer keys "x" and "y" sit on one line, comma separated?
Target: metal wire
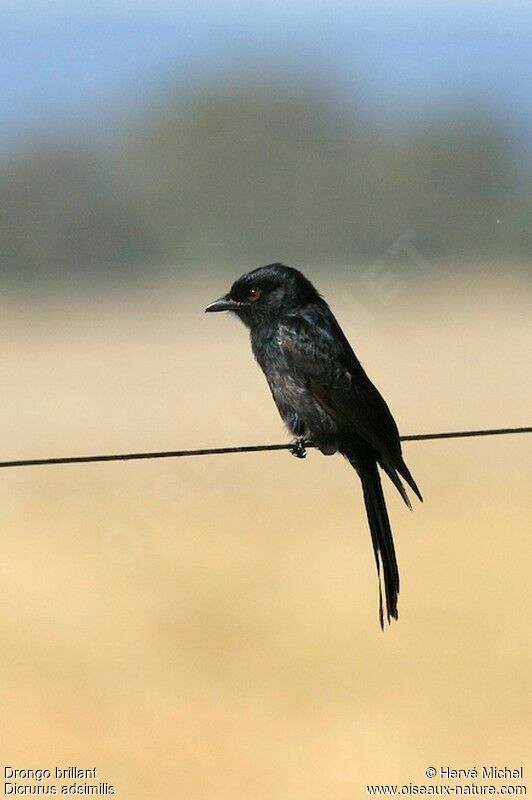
{"x": 255, "y": 448}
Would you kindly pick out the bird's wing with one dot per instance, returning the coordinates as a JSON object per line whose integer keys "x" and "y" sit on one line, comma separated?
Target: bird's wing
{"x": 318, "y": 351}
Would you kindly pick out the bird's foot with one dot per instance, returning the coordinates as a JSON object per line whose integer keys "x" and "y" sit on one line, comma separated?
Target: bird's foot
{"x": 298, "y": 448}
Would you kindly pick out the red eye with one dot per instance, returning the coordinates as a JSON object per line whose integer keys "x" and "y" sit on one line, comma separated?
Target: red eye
{"x": 254, "y": 295}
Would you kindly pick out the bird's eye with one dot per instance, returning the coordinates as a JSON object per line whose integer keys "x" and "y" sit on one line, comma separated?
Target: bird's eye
{"x": 254, "y": 295}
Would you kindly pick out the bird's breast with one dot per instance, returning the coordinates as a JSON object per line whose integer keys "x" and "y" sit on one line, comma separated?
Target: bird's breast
{"x": 298, "y": 407}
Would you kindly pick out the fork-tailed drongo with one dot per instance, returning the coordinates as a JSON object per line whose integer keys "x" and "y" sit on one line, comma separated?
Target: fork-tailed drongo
{"x": 324, "y": 395}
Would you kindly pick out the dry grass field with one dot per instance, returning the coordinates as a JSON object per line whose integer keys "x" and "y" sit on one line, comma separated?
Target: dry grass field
{"x": 206, "y": 629}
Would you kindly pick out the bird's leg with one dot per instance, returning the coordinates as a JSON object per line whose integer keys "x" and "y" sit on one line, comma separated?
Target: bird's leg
{"x": 298, "y": 448}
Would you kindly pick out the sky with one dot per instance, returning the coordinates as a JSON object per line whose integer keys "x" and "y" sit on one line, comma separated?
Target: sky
{"x": 76, "y": 63}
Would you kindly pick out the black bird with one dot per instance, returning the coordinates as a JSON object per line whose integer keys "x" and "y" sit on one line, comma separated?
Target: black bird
{"x": 323, "y": 395}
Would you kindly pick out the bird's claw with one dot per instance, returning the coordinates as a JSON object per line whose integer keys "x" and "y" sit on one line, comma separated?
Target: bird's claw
{"x": 298, "y": 448}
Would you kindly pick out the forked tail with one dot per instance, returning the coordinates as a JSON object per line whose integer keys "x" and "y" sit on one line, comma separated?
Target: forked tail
{"x": 382, "y": 540}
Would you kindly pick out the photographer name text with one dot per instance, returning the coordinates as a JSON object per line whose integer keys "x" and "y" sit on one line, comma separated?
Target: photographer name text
{"x": 485, "y": 773}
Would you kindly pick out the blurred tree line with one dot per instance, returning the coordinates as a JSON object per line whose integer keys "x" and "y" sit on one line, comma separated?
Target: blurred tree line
{"x": 255, "y": 175}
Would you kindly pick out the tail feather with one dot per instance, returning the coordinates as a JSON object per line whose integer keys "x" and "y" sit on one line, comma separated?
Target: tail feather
{"x": 382, "y": 540}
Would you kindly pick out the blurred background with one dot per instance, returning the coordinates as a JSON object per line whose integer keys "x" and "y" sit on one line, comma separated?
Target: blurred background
{"x": 207, "y": 628}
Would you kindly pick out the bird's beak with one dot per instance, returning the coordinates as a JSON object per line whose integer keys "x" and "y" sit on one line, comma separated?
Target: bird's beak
{"x": 223, "y": 304}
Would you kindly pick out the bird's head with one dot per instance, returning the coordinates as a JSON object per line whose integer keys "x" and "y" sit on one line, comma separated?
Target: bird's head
{"x": 266, "y": 293}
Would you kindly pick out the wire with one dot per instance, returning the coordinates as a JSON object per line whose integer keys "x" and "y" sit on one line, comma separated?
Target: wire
{"x": 423, "y": 437}
{"x": 255, "y": 448}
